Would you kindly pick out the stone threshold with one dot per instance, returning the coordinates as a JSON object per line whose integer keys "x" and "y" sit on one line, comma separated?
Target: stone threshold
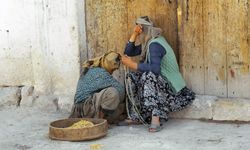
{"x": 215, "y": 108}
{"x": 204, "y": 107}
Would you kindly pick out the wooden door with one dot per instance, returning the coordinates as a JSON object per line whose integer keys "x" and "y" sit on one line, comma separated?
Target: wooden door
{"x": 109, "y": 23}
{"x": 215, "y": 37}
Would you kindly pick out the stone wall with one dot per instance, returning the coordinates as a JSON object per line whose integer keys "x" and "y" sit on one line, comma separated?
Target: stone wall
{"x": 40, "y": 44}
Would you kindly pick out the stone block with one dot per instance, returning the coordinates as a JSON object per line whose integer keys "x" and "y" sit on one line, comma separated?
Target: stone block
{"x": 10, "y": 96}
{"x": 46, "y": 102}
{"x": 201, "y": 108}
{"x": 232, "y": 110}
{"x": 27, "y": 91}
{"x": 28, "y": 101}
{"x": 27, "y": 95}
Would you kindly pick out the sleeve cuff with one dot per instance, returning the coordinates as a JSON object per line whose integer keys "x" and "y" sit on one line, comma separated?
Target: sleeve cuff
{"x": 131, "y": 42}
{"x": 140, "y": 67}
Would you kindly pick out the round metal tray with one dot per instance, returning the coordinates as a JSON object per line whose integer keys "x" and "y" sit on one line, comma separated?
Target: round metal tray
{"x": 58, "y": 130}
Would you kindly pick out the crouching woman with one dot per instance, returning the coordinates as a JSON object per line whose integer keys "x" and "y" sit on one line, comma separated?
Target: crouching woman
{"x": 98, "y": 94}
{"x": 158, "y": 86}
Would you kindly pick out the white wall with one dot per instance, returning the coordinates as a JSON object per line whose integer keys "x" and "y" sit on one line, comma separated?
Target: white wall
{"x": 40, "y": 44}
{"x": 17, "y": 34}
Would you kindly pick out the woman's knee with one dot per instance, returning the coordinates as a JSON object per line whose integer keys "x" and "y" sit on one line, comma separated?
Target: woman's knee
{"x": 110, "y": 99}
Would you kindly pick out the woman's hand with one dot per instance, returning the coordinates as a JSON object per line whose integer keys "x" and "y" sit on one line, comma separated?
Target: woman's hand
{"x": 137, "y": 31}
{"x": 129, "y": 62}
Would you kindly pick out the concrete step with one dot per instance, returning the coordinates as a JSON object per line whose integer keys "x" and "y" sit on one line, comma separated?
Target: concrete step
{"x": 214, "y": 108}
{"x": 203, "y": 107}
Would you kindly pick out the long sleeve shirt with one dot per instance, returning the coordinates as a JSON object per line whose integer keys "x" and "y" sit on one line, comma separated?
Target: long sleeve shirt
{"x": 156, "y": 54}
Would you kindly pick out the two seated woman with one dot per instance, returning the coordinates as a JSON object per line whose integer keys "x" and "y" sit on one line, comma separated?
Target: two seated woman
{"x": 159, "y": 87}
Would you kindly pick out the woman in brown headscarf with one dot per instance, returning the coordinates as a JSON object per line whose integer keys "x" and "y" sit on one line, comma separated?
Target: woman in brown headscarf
{"x": 98, "y": 93}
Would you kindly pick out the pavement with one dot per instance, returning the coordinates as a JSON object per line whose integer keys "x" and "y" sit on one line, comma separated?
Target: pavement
{"x": 26, "y": 128}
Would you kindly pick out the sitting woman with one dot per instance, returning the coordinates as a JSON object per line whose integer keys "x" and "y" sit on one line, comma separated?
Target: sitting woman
{"x": 98, "y": 93}
{"x": 158, "y": 86}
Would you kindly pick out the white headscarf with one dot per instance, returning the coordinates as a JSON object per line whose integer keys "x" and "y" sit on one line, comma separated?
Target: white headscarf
{"x": 148, "y": 26}
{"x": 148, "y": 30}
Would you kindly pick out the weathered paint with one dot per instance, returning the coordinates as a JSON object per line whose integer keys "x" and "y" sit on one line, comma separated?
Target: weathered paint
{"x": 214, "y": 40}
{"x": 16, "y": 42}
{"x": 225, "y": 30}
{"x": 116, "y": 16}
{"x": 106, "y": 26}
{"x": 214, "y": 46}
{"x": 96, "y": 22}
{"x": 166, "y": 18}
{"x": 110, "y": 22}
{"x": 191, "y": 44}
{"x": 56, "y": 59}
{"x": 238, "y": 48}
{"x": 40, "y": 45}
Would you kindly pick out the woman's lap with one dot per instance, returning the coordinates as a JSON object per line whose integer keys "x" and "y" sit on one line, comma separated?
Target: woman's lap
{"x": 107, "y": 100}
{"x": 155, "y": 96}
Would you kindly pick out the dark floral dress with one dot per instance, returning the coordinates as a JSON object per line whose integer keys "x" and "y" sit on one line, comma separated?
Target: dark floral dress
{"x": 153, "y": 96}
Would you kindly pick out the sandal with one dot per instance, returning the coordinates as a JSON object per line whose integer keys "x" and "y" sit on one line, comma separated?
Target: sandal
{"x": 155, "y": 128}
{"x": 127, "y": 122}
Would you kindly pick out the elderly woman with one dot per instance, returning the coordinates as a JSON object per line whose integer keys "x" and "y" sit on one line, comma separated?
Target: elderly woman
{"x": 98, "y": 94}
{"x": 158, "y": 86}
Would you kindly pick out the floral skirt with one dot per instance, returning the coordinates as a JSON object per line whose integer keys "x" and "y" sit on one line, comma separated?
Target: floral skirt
{"x": 153, "y": 96}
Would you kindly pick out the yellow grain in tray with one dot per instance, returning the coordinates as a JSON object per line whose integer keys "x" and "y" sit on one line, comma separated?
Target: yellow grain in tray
{"x": 81, "y": 124}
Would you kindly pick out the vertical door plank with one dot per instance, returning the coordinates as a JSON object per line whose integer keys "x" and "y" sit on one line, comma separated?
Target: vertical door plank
{"x": 116, "y": 18}
{"x": 166, "y": 18}
{"x": 215, "y": 46}
{"x": 134, "y": 11}
{"x": 238, "y": 46}
{"x": 96, "y": 27}
{"x": 191, "y": 43}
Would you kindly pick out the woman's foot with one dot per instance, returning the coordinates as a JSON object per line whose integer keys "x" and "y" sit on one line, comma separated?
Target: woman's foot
{"x": 128, "y": 122}
{"x": 155, "y": 128}
{"x": 155, "y": 124}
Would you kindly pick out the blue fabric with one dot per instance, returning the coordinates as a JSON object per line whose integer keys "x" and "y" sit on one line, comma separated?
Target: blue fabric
{"x": 156, "y": 54}
{"x": 95, "y": 80}
{"x": 132, "y": 50}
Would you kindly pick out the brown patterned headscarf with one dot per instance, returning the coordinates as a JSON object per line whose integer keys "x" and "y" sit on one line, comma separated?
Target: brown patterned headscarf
{"x": 110, "y": 61}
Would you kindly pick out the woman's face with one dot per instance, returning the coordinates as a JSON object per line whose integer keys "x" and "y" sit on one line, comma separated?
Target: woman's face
{"x": 144, "y": 36}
